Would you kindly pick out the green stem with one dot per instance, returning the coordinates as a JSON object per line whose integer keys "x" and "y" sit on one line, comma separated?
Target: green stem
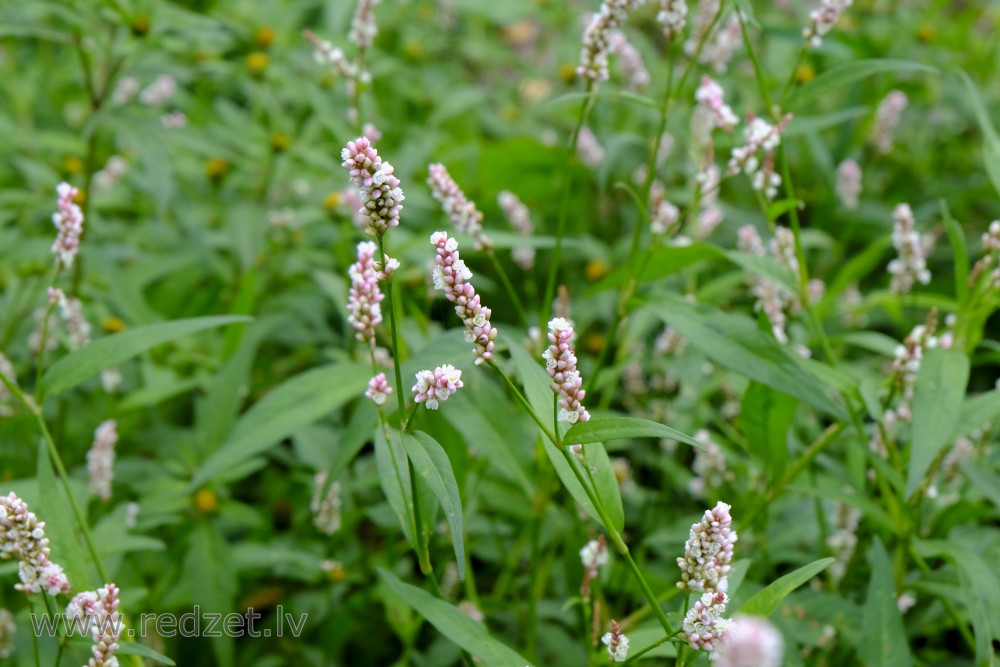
{"x": 45, "y": 333}
{"x": 550, "y": 285}
{"x": 631, "y": 283}
{"x": 36, "y": 412}
{"x": 524, "y": 403}
{"x": 395, "y": 339}
{"x": 659, "y": 642}
{"x": 511, "y": 292}
{"x": 620, "y": 545}
{"x": 420, "y": 534}
{"x": 963, "y": 629}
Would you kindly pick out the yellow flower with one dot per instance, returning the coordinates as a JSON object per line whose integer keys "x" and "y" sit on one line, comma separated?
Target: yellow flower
{"x": 805, "y": 73}
{"x": 927, "y": 33}
{"x": 567, "y": 71}
{"x": 332, "y": 201}
{"x": 594, "y": 342}
{"x": 140, "y": 24}
{"x": 263, "y": 37}
{"x": 216, "y": 168}
{"x": 72, "y": 164}
{"x": 280, "y": 142}
{"x": 257, "y": 63}
{"x": 113, "y": 324}
{"x": 205, "y": 501}
{"x": 596, "y": 269}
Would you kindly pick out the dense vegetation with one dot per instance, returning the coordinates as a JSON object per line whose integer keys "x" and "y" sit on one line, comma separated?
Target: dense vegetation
{"x": 657, "y": 277}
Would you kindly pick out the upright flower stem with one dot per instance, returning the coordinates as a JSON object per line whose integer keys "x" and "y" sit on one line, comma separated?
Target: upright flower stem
{"x": 550, "y": 285}
{"x": 395, "y": 337}
{"x": 616, "y": 537}
{"x": 44, "y": 340}
{"x": 36, "y": 412}
{"x": 509, "y": 286}
{"x": 620, "y": 545}
{"x": 632, "y": 262}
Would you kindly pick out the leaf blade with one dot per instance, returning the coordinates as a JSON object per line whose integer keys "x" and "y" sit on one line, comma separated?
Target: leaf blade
{"x": 83, "y": 364}
{"x": 937, "y": 400}
{"x": 618, "y": 428}
{"x": 297, "y": 402}
{"x": 456, "y": 626}
{"x": 765, "y": 602}
{"x": 431, "y": 462}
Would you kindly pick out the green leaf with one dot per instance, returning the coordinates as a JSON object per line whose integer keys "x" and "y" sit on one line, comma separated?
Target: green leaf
{"x": 765, "y": 602}
{"x": 132, "y": 648}
{"x": 560, "y": 462}
{"x": 991, "y": 139}
{"x": 83, "y": 364}
{"x": 983, "y": 480}
{"x": 736, "y": 343}
{"x": 53, "y": 507}
{"x": 765, "y": 417}
{"x": 295, "y": 403}
{"x": 883, "y": 639}
{"x": 842, "y": 75}
{"x": 859, "y": 266}
{"x": 430, "y": 461}
{"x": 976, "y": 411}
{"x": 981, "y": 590}
{"x": 600, "y": 471}
{"x": 394, "y": 478}
{"x": 765, "y": 267}
{"x": 956, "y": 237}
{"x": 937, "y": 400}
{"x": 211, "y": 581}
{"x": 659, "y": 263}
{"x": 810, "y": 124}
{"x": 619, "y": 428}
{"x": 468, "y": 634}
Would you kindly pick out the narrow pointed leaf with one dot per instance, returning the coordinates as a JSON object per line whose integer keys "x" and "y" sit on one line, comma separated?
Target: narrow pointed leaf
{"x": 883, "y": 638}
{"x": 297, "y": 402}
{"x": 937, "y": 401}
{"x": 465, "y": 632}
{"x": 430, "y": 461}
{"x": 85, "y": 363}
{"x": 765, "y": 602}
{"x": 619, "y": 428}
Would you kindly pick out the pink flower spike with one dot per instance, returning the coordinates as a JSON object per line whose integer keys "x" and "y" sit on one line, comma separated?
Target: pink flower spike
{"x": 822, "y": 19}
{"x": 365, "y": 296}
{"x": 560, "y": 362}
{"x": 22, "y": 536}
{"x": 101, "y": 459}
{"x": 887, "y": 117}
{"x": 100, "y": 609}
{"x": 751, "y": 642}
{"x": 708, "y": 552}
{"x": 704, "y": 627}
{"x": 379, "y": 389}
{"x": 597, "y": 37}
{"x": 710, "y": 97}
{"x": 434, "y": 387}
{"x": 68, "y": 221}
{"x": 380, "y": 194}
{"x": 462, "y": 212}
{"x": 452, "y": 275}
